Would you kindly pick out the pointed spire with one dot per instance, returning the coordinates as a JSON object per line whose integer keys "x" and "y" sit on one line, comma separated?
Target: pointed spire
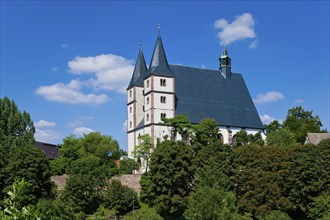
{"x": 158, "y": 64}
{"x": 140, "y": 70}
{"x": 224, "y": 52}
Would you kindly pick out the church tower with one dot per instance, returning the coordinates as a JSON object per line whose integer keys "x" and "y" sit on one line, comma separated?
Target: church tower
{"x": 135, "y": 99}
{"x": 225, "y": 64}
{"x": 159, "y": 97}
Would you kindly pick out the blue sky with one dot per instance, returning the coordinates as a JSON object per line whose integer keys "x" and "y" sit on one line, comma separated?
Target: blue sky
{"x": 68, "y": 63}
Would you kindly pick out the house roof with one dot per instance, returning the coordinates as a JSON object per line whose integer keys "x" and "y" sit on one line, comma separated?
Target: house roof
{"x": 50, "y": 150}
{"x": 158, "y": 64}
{"x": 140, "y": 70}
{"x": 202, "y": 93}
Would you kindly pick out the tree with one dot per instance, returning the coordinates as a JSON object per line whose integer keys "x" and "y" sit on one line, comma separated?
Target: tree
{"x": 120, "y": 198}
{"x": 300, "y": 122}
{"x": 30, "y": 163}
{"x": 180, "y": 124}
{"x": 212, "y": 203}
{"x": 273, "y": 126}
{"x": 242, "y": 138}
{"x": 15, "y": 206}
{"x": 320, "y": 207}
{"x": 276, "y": 215}
{"x": 127, "y": 166}
{"x": 206, "y": 132}
{"x": 144, "y": 150}
{"x": 16, "y": 127}
{"x": 282, "y": 137}
{"x": 143, "y": 214}
{"x": 262, "y": 179}
{"x": 171, "y": 178}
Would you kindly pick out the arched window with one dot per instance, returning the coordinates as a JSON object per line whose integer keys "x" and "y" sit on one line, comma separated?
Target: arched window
{"x": 234, "y": 140}
{"x": 148, "y": 83}
{"x": 220, "y": 137}
{"x": 162, "y": 82}
{"x": 147, "y": 117}
{"x": 162, "y": 115}
{"x": 147, "y": 100}
{"x": 130, "y": 124}
{"x": 163, "y": 99}
{"x": 130, "y": 109}
{"x": 130, "y": 93}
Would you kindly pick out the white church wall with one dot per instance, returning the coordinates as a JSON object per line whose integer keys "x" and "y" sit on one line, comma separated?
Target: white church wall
{"x": 168, "y": 87}
{"x": 139, "y": 114}
{"x": 168, "y": 101}
{"x": 158, "y": 112}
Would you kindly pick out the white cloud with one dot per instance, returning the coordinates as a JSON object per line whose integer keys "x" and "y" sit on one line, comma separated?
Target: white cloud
{"x": 44, "y": 123}
{"x": 78, "y": 122}
{"x": 268, "y": 97}
{"x": 55, "y": 68}
{"x": 266, "y": 119}
{"x": 82, "y": 130}
{"x": 298, "y": 101}
{"x": 47, "y": 136}
{"x": 112, "y": 72}
{"x": 241, "y": 28}
{"x": 253, "y": 44}
{"x": 70, "y": 93}
{"x": 124, "y": 127}
{"x": 64, "y": 46}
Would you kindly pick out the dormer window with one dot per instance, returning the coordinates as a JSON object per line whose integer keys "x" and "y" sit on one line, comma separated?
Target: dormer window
{"x": 162, "y": 82}
{"x": 162, "y": 99}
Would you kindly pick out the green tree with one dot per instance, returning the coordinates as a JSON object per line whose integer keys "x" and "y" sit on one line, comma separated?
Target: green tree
{"x": 171, "y": 178}
{"x": 120, "y": 198}
{"x": 212, "y": 203}
{"x": 180, "y": 124}
{"x": 300, "y": 122}
{"x": 144, "y": 150}
{"x": 206, "y": 132}
{"x": 15, "y": 206}
{"x": 143, "y": 214}
{"x": 16, "y": 127}
{"x": 320, "y": 207}
{"x": 262, "y": 179}
{"x": 282, "y": 137}
{"x": 273, "y": 126}
{"x": 30, "y": 163}
{"x": 127, "y": 166}
{"x": 276, "y": 215}
{"x": 242, "y": 138}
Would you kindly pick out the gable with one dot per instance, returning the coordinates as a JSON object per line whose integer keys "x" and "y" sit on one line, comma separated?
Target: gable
{"x": 202, "y": 93}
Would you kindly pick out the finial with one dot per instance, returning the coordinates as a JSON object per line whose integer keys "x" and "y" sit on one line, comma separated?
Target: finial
{"x": 140, "y": 43}
{"x": 158, "y": 28}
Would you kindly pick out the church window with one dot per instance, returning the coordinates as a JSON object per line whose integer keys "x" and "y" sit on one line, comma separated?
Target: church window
{"x": 162, "y": 82}
{"x": 142, "y": 108}
{"x": 147, "y": 117}
{"x": 220, "y": 137}
{"x": 130, "y": 93}
{"x": 130, "y": 109}
{"x": 163, "y": 99}
{"x": 130, "y": 124}
{"x": 147, "y": 83}
{"x": 147, "y": 100}
{"x": 162, "y": 115}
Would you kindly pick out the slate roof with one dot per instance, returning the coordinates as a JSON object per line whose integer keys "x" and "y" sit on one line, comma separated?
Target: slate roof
{"x": 202, "y": 93}
{"x": 158, "y": 64}
{"x": 50, "y": 150}
{"x": 139, "y": 72}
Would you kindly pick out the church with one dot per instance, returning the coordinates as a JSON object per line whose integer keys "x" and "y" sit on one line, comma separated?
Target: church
{"x": 164, "y": 90}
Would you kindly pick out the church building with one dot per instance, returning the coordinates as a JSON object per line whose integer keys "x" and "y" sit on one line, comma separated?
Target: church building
{"x": 164, "y": 90}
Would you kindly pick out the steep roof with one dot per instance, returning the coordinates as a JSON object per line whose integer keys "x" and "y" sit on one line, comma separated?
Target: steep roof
{"x": 158, "y": 64}
{"x": 50, "y": 150}
{"x": 140, "y": 70}
{"x": 202, "y": 93}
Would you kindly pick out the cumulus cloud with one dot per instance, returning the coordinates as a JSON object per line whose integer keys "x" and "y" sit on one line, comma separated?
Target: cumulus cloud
{"x": 266, "y": 119}
{"x": 298, "y": 101}
{"x": 47, "y": 136}
{"x": 268, "y": 97}
{"x": 82, "y": 130}
{"x": 70, "y": 93}
{"x": 44, "y": 123}
{"x": 112, "y": 72}
{"x": 241, "y": 28}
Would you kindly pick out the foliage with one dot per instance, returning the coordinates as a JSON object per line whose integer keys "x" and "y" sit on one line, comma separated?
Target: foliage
{"x": 310, "y": 172}
{"x": 15, "y": 207}
{"x": 206, "y": 132}
{"x": 30, "y": 163}
{"x": 93, "y": 154}
{"x": 16, "y": 127}
{"x": 127, "y": 166}
{"x": 171, "y": 178}
{"x": 273, "y": 126}
{"x": 242, "y": 138}
{"x": 320, "y": 207}
{"x": 212, "y": 203}
{"x": 214, "y": 166}
{"x": 180, "y": 124}
{"x": 120, "y": 198}
{"x": 281, "y": 137}
{"x": 276, "y": 215}
{"x": 144, "y": 150}
{"x": 262, "y": 179}
{"x": 143, "y": 214}
{"x": 85, "y": 191}
{"x": 300, "y": 122}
